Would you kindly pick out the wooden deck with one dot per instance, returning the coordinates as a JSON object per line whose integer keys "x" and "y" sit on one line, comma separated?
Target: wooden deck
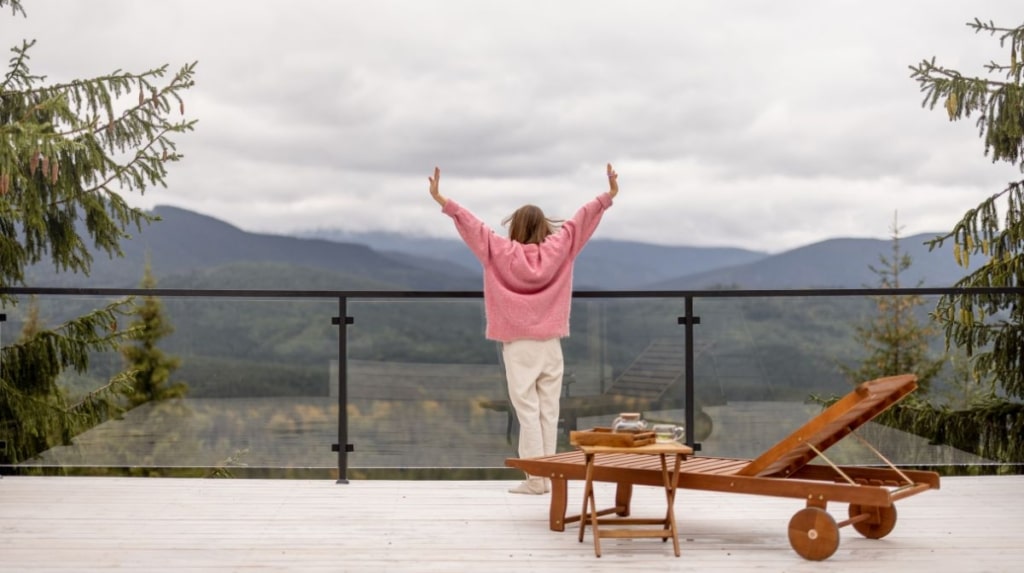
{"x": 152, "y": 524}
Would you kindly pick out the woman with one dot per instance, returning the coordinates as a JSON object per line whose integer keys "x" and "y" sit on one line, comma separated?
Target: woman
{"x": 527, "y": 295}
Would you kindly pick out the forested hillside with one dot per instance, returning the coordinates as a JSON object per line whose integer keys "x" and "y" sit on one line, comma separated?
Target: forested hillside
{"x": 251, "y": 347}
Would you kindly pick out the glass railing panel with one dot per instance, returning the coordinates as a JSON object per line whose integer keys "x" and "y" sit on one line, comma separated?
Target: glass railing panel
{"x": 425, "y": 389}
{"x": 628, "y": 355}
{"x": 421, "y": 377}
{"x": 32, "y": 438}
{"x": 757, "y": 363}
{"x": 764, "y": 366}
{"x": 258, "y": 379}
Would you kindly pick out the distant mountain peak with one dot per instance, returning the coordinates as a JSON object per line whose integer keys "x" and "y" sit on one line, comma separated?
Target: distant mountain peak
{"x": 185, "y": 242}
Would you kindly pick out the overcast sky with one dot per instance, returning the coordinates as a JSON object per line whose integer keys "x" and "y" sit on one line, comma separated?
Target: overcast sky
{"x": 764, "y": 125}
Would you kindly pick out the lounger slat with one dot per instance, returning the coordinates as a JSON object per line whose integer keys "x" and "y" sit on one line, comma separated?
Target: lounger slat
{"x": 718, "y": 466}
{"x": 631, "y": 462}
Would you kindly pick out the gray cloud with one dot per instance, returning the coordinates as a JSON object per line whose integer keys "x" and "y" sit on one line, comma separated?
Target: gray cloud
{"x": 764, "y": 125}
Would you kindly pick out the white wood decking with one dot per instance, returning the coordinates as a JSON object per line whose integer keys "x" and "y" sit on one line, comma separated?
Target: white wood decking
{"x": 150, "y": 524}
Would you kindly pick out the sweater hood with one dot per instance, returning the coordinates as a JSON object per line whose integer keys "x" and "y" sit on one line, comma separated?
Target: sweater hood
{"x": 530, "y": 268}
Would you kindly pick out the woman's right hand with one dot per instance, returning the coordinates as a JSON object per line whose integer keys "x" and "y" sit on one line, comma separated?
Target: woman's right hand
{"x": 613, "y": 182}
{"x": 434, "y": 192}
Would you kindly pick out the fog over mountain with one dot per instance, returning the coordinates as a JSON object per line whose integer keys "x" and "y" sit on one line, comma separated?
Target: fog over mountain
{"x": 184, "y": 243}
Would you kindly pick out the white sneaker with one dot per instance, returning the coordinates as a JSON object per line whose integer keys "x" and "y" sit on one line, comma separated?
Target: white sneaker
{"x": 530, "y": 487}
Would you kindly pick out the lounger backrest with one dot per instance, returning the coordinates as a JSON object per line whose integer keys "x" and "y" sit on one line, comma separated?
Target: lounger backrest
{"x": 866, "y": 401}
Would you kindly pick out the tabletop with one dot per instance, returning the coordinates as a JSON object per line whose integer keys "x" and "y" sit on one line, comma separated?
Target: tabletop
{"x": 657, "y": 448}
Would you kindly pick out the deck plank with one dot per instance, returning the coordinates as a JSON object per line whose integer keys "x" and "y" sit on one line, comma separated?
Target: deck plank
{"x": 63, "y": 524}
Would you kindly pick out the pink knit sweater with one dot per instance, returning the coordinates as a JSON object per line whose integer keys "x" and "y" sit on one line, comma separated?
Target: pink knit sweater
{"x": 528, "y": 288}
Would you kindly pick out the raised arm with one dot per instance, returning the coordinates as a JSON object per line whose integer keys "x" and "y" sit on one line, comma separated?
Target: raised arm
{"x": 582, "y": 225}
{"x": 474, "y": 232}
{"x": 436, "y": 179}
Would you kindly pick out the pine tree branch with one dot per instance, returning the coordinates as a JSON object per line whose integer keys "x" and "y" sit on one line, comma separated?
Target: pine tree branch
{"x": 121, "y": 81}
{"x": 15, "y": 6}
{"x": 18, "y": 65}
{"x": 922, "y": 73}
{"x": 991, "y": 27}
{"x": 121, "y": 381}
{"x": 110, "y": 87}
{"x": 962, "y": 227}
{"x": 121, "y": 170}
{"x": 45, "y": 401}
{"x": 139, "y": 124}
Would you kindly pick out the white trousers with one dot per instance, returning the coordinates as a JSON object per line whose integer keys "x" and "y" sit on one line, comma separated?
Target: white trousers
{"x": 534, "y": 369}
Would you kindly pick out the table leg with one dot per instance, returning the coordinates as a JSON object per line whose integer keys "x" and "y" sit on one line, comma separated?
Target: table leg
{"x": 588, "y": 500}
{"x": 586, "y": 496}
{"x": 671, "y": 485}
{"x": 665, "y": 483}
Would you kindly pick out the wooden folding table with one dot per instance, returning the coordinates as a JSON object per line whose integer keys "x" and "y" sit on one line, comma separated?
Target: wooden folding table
{"x": 667, "y": 524}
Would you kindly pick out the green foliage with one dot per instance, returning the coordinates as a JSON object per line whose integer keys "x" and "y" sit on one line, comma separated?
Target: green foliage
{"x": 997, "y": 103}
{"x": 68, "y": 151}
{"x": 35, "y": 413}
{"x": 895, "y": 340}
{"x": 990, "y": 327}
{"x": 32, "y": 323}
{"x": 150, "y": 368}
{"x": 67, "y": 155}
{"x": 967, "y": 388}
{"x": 981, "y": 429}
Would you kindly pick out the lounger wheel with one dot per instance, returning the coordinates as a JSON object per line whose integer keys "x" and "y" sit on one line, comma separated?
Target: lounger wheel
{"x": 813, "y": 534}
{"x": 881, "y": 523}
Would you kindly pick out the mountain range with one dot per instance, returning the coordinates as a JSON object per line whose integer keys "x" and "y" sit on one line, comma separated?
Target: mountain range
{"x": 186, "y": 249}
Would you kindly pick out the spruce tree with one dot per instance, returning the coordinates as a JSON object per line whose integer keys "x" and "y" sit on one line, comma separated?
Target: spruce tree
{"x": 35, "y": 412}
{"x": 989, "y": 328}
{"x": 69, "y": 152}
{"x": 149, "y": 367}
{"x": 896, "y": 340}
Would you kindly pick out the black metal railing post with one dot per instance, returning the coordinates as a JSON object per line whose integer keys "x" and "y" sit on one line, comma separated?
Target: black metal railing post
{"x": 689, "y": 320}
{"x": 343, "y": 447}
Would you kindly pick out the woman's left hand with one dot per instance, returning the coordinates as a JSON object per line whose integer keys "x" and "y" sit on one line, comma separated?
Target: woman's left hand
{"x": 613, "y": 181}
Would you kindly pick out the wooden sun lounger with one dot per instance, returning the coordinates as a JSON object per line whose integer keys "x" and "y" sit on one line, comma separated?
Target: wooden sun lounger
{"x": 781, "y": 471}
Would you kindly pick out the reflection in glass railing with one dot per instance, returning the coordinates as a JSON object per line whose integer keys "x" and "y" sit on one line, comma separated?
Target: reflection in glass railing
{"x": 424, "y": 389}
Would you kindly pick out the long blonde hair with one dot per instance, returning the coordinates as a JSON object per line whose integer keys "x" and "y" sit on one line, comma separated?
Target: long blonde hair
{"x": 528, "y": 225}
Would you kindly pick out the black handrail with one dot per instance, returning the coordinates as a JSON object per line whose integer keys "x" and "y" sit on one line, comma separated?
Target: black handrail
{"x": 362, "y": 294}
